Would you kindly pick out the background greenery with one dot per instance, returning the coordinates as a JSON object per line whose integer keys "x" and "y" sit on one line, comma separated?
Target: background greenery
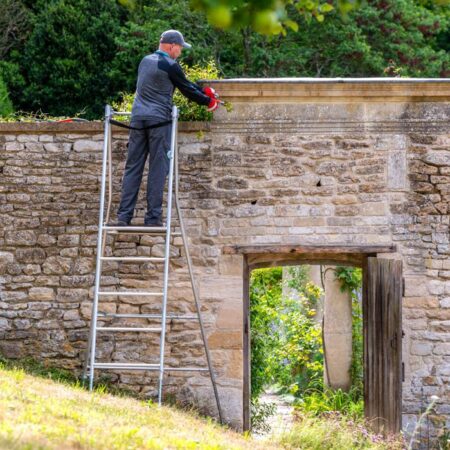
{"x": 287, "y": 346}
{"x": 68, "y": 57}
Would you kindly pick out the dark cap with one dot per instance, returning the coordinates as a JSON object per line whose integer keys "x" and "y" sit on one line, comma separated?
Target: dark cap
{"x": 173, "y": 37}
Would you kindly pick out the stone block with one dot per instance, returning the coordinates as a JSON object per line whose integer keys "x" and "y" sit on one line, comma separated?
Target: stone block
{"x": 230, "y": 316}
{"x": 57, "y": 265}
{"x": 222, "y": 339}
{"x": 231, "y": 265}
{"x": 31, "y": 255}
{"x": 72, "y": 295}
{"x": 421, "y": 349}
{"x": 85, "y": 145}
{"x": 442, "y": 349}
{"x": 68, "y": 240}
{"x": 436, "y": 287}
{"x": 41, "y": 293}
{"x": 22, "y": 237}
{"x": 421, "y": 302}
{"x": 221, "y": 288}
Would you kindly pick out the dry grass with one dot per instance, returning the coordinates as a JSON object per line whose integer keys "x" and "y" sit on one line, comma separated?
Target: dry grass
{"x": 38, "y": 413}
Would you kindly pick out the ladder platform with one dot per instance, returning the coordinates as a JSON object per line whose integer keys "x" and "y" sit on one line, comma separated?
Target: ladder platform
{"x": 134, "y": 329}
{"x": 137, "y": 293}
{"x": 132, "y": 258}
{"x": 142, "y": 366}
{"x": 148, "y": 316}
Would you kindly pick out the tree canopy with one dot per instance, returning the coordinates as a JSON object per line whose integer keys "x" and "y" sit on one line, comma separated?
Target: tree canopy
{"x": 66, "y": 57}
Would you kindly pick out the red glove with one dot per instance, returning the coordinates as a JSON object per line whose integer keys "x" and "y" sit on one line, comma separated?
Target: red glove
{"x": 210, "y": 92}
{"x": 213, "y": 105}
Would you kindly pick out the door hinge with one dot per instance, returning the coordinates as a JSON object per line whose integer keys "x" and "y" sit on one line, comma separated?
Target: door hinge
{"x": 403, "y": 372}
{"x": 403, "y": 286}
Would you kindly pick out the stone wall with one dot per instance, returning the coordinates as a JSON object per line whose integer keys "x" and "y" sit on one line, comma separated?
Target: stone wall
{"x": 295, "y": 162}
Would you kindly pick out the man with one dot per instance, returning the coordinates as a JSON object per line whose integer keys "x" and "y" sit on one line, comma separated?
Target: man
{"x": 158, "y": 76}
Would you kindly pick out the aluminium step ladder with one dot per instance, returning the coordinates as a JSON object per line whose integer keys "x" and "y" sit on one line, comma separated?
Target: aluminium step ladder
{"x": 90, "y": 363}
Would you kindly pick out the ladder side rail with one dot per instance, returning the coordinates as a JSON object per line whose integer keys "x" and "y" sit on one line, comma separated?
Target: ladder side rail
{"x": 101, "y": 235}
{"x": 110, "y": 183}
{"x": 167, "y": 251}
{"x": 194, "y": 287}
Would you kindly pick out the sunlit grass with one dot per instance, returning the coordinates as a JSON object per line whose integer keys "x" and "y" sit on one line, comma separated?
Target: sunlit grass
{"x": 39, "y": 413}
{"x": 52, "y": 410}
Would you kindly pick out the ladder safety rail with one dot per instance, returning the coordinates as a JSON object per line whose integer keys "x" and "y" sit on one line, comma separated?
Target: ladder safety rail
{"x": 90, "y": 364}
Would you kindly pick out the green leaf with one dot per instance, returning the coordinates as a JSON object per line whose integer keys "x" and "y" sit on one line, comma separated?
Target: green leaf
{"x": 291, "y": 24}
{"x": 326, "y": 7}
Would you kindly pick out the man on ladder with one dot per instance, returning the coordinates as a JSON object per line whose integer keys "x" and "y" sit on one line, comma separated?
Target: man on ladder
{"x": 158, "y": 76}
{"x": 150, "y": 134}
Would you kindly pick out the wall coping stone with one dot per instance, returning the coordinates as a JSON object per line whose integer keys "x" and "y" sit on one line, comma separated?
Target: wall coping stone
{"x": 288, "y": 90}
{"x": 93, "y": 127}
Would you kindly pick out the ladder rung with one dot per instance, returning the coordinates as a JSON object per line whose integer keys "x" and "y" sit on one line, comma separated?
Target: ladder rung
{"x": 137, "y": 293}
{"x": 138, "y": 329}
{"x": 159, "y": 233}
{"x": 142, "y": 366}
{"x": 148, "y": 316}
{"x": 137, "y": 228}
{"x": 132, "y": 258}
{"x": 127, "y": 366}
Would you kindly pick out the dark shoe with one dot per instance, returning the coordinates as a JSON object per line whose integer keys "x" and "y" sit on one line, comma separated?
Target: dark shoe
{"x": 119, "y": 223}
{"x": 159, "y": 223}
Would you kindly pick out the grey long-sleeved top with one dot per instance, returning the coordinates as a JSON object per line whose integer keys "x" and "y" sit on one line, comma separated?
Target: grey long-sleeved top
{"x": 158, "y": 76}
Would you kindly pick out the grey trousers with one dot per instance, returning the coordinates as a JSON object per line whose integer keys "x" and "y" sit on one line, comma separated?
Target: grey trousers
{"x": 155, "y": 144}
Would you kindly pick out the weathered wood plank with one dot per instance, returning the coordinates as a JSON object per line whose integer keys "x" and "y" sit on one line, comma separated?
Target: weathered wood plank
{"x": 382, "y": 344}
{"x": 246, "y": 349}
{"x": 298, "y": 249}
{"x": 256, "y": 261}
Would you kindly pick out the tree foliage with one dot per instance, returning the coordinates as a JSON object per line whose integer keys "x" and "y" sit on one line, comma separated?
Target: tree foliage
{"x": 67, "y": 56}
{"x": 6, "y": 107}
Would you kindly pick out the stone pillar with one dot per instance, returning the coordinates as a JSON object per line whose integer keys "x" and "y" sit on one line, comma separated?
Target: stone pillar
{"x": 337, "y": 332}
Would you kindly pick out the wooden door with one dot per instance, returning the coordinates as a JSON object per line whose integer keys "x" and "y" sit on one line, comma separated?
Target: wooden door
{"x": 383, "y": 290}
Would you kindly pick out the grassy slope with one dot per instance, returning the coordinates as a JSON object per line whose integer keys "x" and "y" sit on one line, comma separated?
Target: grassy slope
{"x": 37, "y": 413}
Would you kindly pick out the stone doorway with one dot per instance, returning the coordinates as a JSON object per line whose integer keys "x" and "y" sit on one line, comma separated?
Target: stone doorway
{"x": 382, "y": 333}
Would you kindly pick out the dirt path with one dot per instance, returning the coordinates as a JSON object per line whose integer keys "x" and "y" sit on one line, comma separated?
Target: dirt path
{"x": 282, "y": 420}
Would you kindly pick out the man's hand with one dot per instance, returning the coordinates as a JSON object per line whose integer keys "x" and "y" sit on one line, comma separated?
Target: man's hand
{"x": 210, "y": 92}
{"x": 213, "y": 105}
{"x": 213, "y": 95}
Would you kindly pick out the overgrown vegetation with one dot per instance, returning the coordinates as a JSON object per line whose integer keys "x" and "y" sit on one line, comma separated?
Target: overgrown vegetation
{"x": 335, "y": 432}
{"x": 188, "y": 111}
{"x": 66, "y": 57}
{"x": 286, "y": 343}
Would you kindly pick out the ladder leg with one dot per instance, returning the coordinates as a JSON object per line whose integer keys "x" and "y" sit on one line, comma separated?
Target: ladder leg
{"x": 167, "y": 253}
{"x": 194, "y": 290}
{"x": 108, "y": 137}
{"x": 100, "y": 247}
